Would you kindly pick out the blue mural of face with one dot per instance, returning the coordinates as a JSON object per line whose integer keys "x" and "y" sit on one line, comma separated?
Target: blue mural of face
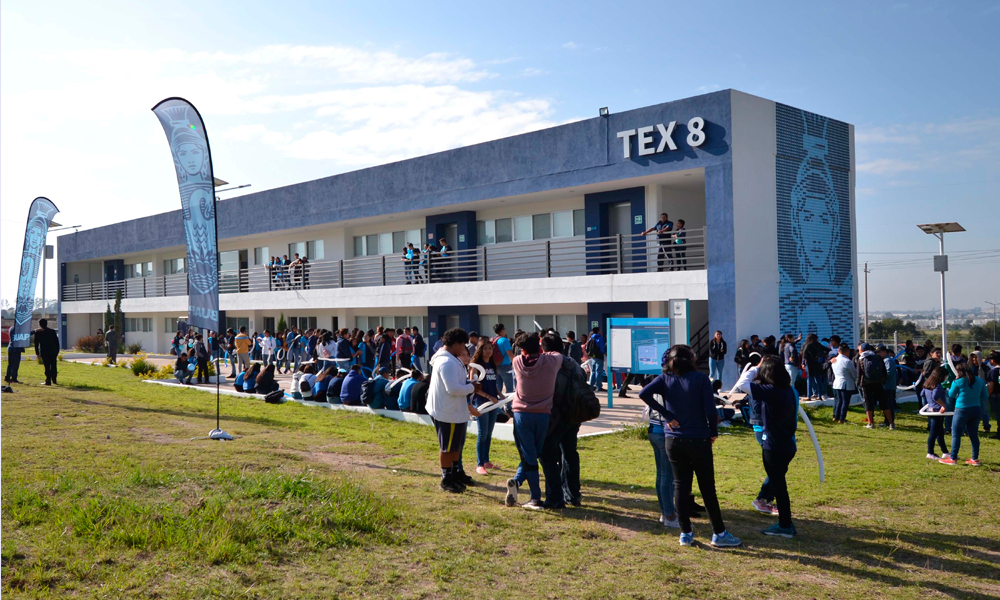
{"x": 191, "y": 157}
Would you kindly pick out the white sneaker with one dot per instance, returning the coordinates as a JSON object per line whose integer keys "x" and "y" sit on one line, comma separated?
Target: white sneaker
{"x": 671, "y": 523}
{"x": 869, "y": 426}
{"x": 933, "y": 457}
{"x": 725, "y": 424}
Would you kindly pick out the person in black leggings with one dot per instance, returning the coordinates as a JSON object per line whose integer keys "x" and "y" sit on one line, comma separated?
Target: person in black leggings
{"x": 776, "y": 403}
{"x": 690, "y": 427}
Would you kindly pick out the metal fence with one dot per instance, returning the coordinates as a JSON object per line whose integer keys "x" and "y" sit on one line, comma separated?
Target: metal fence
{"x": 568, "y": 257}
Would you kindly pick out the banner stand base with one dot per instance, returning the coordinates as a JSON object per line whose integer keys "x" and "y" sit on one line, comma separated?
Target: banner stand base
{"x": 218, "y": 434}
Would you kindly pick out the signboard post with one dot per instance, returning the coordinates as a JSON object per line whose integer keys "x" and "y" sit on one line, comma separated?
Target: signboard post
{"x": 635, "y": 346}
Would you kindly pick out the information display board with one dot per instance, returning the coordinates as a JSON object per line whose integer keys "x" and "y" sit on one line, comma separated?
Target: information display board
{"x": 637, "y": 345}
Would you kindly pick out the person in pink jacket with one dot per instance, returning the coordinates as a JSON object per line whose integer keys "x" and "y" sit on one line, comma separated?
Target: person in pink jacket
{"x": 535, "y": 383}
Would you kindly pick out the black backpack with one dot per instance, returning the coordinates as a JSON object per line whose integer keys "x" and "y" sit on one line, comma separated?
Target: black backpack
{"x": 275, "y": 397}
{"x": 575, "y": 400}
{"x": 593, "y": 350}
{"x": 368, "y": 392}
{"x": 873, "y": 370}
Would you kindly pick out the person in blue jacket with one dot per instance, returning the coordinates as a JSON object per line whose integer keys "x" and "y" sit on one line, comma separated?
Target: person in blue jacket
{"x": 380, "y": 382}
{"x": 336, "y": 385}
{"x": 350, "y": 390}
{"x": 690, "y": 428}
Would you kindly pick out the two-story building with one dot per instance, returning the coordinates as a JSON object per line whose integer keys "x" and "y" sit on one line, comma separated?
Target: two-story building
{"x": 545, "y": 227}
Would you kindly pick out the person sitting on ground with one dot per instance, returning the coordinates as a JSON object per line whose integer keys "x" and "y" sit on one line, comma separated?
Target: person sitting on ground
{"x": 181, "y": 371}
{"x": 395, "y": 386}
{"x": 418, "y": 395}
{"x": 336, "y": 386}
{"x": 380, "y": 382}
{"x": 350, "y": 390}
{"x": 321, "y": 386}
{"x": 406, "y": 391}
{"x": 266, "y": 383}
{"x": 776, "y": 401}
{"x": 725, "y": 414}
{"x": 250, "y": 379}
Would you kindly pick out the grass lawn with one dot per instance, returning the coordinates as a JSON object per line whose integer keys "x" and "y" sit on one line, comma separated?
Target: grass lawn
{"x": 104, "y": 495}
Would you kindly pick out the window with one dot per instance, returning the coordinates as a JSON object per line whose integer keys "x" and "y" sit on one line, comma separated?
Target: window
{"x": 371, "y": 245}
{"x": 385, "y": 243}
{"x": 139, "y": 270}
{"x": 303, "y": 323}
{"x": 314, "y": 250}
{"x": 522, "y": 229}
{"x": 235, "y": 323}
{"x": 398, "y": 241}
{"x": 296, "y": 247}
{"x": 261, "y": 255}
{"x": 171, "y": 324}
{"x": 359, "y": 246}
{"x": 562, "y": 224}
{"x": 561, "y": 323}
{"x": 504, "y": 231}
{"x": 268, "y": 324}
{"x": 172, "y": 266}
{"x": 486, "y": 231}
{"x": 413, "y": 237}
{"x": 541, "y": 226}
{"x": 138, "y": 324}
{"x": 579, "y": 222}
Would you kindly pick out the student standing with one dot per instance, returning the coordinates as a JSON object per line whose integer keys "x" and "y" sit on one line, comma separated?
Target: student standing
{"x": 449, "y": 409}
{"x": 201, "y": 355}
{"x": 742, "y": 356}
{"x": 691, "y": 427}
{"x": 845, "y": 374}
{"x": 871, "y": 376}
{"x": 968, "y": 392}
{"x": 777, "y": 404}
{"x": 717, "y": 349}
{"x": 993, "y": 387}
{"x": 242, "y": 345}
{"x": 560, "y": 458}
{"x": 596, "y": 350}
{"x": 535, "y": 372}
{"x": 503, "y": 346}
{"x": 664, "y": 253}
{"x": 489, "y": 393}
{"x": 934, "y": 396}
{"x": 111, "y": 339}
{"x": 268, "y": 347}
{"x": 814, "y": 356}
{"x": 47, "y": 348}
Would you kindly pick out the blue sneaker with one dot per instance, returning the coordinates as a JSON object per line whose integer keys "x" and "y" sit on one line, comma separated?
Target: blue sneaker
{"x": 687, "y": 539}
{"x": 779, "y": 531}
{"x": 725, "y": 540}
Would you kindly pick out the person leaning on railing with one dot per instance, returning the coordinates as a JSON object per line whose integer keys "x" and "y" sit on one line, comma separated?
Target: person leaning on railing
{"x": 665, "y": 253}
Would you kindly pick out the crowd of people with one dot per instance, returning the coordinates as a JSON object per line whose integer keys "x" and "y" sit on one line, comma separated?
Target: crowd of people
{"x": 288, "y": 274}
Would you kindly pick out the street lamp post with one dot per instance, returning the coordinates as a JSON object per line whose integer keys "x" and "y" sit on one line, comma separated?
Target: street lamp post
{"x": 941, "y": 266}
{"x": 994, "y": 305}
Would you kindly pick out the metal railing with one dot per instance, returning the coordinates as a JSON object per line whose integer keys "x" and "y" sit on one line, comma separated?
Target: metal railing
{"x": 559, "y": 257}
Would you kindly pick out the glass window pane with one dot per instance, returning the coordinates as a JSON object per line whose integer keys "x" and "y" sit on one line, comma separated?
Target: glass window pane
{"x": 562, "y": 224}
{"x": 522, "y": 228}
{"x": 388, "y": 322}
{"x": 579, "y": 222}
{"x": 359, "y": 246}
{"x": 413, "y": 237}
{"x": 509, "y": 323}
{"x": 545, "y": 321}
{"x": 481, "y": 232}
{"x": 423, "y": 237}
{"x": 371, "y": 245}
{"x": 524, "y": 323}
{"x": 361, "y": 323}
{"x": 582, "y": 326}
{"x": 314, "y": 250}
{"x": 565, "y": 323}
{"x": 542, "y": 226}
{"x": 398, "y": 241}
{"x": 505, "y": 231}
{"x": 385, "y": 243}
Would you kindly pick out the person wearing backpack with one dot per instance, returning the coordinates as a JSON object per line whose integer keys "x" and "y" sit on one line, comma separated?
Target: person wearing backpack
{"x": 503, "y": 356}
{"x": 871, "y": 378}
{"x": 560, "y": 458}
{"x": 404, "y": 349}
{"x": 596, "y": 349}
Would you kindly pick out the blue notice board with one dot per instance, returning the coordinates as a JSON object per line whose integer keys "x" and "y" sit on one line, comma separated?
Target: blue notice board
{"x": 636, "y": 346}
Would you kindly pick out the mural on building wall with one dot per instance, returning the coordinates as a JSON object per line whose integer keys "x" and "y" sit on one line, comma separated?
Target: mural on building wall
{"x": 814, "y": 224}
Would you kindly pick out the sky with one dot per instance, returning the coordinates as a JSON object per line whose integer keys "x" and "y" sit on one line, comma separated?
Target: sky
{"x": 294, "y": 91}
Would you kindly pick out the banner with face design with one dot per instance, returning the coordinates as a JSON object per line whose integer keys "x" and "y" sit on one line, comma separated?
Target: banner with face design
{"x": 39, "y": 219}
{"x": 193, "y": 166}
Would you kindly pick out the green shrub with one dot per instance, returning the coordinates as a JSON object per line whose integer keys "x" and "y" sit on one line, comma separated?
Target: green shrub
{"x": 133, "y": 348}
{"x": 91, "y": 344}
{"x": 140, "y": 365}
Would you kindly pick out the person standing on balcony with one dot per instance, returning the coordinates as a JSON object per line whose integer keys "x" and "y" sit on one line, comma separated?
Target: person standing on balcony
{"x": 425, "y": 261}
{"x": 680, "y": 238}
{"x": 409, "y": 263}
{"x": 717, "y": 349}
{"x": 241, "y": 344}
{"x": 665, "y": 253}
{"x": 296, "y": 269}
{"x": 445, "y": 261}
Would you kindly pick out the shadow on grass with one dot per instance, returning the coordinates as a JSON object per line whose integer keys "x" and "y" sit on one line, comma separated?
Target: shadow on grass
{"x": 180, "y": 413}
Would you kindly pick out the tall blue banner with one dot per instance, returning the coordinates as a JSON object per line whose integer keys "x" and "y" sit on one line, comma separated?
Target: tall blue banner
{"x": 193, "y": 166}
{"x": 39, "y": 219}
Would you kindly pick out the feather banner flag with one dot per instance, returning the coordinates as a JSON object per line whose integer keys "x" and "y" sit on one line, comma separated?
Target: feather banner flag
{"x": 39, "y": 220}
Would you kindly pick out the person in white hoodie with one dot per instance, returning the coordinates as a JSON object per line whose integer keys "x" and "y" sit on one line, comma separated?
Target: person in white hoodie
{"x": 449, "y": 408}
{"x": 267, "y": 348}
{"x": 844, "y": 376}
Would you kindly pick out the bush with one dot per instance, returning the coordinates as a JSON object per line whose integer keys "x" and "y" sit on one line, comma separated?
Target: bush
{"x": 133, "y": 348}
{"x": 140, "y": 366}
{"x": 91, "y": 344}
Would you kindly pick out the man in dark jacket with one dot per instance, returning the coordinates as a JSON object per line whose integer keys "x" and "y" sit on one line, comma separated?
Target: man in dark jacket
{"x": 201, "y": 356}
{"x": 111, "y": 340}
{"x": 47, "y": 347}
{"x": 560, "y": 459}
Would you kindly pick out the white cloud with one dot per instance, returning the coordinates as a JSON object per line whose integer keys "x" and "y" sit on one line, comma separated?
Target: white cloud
{"x": 531, "y": 72}
{"x": 571, "y": 45}
{"x": 886, "y": 166}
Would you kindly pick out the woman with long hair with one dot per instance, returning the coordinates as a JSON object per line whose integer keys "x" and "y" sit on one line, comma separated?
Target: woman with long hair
{"x": 489, "y": 393}
{"x": 933, "y": 395}
{"x": 690, "y": 428}
{"x": 968, "y": 392}
{"x": 776, "y": 403}
{"x": 266, "y": 383}
{"x": 742, "y": 356}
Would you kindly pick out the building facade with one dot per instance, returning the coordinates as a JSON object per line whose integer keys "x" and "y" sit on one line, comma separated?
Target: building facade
{"x": 545, "y": 227}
